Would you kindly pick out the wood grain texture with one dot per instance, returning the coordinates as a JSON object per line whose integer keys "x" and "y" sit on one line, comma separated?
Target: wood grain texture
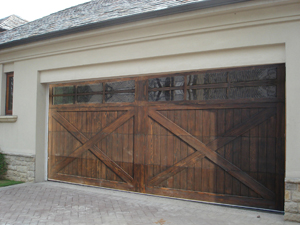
{"x": 225, "y": 138}
{"x": 213, "y": 156}
{"x": 90, "y": 144}
{"x": 211, "y": 197}
{"x": 228, "y": 150}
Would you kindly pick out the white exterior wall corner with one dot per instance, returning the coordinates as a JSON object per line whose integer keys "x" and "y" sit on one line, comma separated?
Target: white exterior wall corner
{"x": 292, "y": 106}
{"x": 252, "y": 33}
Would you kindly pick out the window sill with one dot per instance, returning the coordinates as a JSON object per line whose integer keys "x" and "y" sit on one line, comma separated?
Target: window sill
{"x": 8, "y": 119}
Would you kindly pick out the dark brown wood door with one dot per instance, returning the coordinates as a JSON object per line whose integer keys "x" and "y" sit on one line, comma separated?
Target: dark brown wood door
{"x": 215, "y": 136}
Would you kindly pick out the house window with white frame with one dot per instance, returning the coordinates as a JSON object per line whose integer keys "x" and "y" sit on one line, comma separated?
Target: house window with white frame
{"x": 9, "y": 93}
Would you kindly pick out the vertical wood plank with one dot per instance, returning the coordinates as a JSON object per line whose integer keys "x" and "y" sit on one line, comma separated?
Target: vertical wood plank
{"x": 125, "y": 148}
{"x": 156, "y": 148}
{"x": 183, "y": 150}
{"x": 51, "y": 139}
{"x": 65, "y": 145}
{"x": 271, "y": 154}
{"x": 119, "y": 145}
{"x": 92, "y": 159}
{"x": 103, "y": 116}
{"x": 131, "y": 145}
{"x": 191, "y": 115}
{"x": 81, "y": 121}
{"x": 245, "y": 152}
{"x": 177, "y": 117}
{"x": 253, "y": 161}
{"x": 262, "y": 154}
{"x": 141, "y": 131}
{"x": 280, "y": 138}
{"x": 163, "y": 150}
{"x": 150, "y": 151}
{"x": 95, "y": 120}
{"x": 220, "y": 173}
{"x": 55, "y": 142}
{"x": 109, "y": 146}
{"x": 236, "y": 185}
{"x": 213, "y": 130}
{"x": 114, "y": 144}
{"x": 70, "y": 143}
{"x": 199, "y": 135}
{"x": 228, "y": 151}
{"x": 206, "y": 173}
{"x": 170, "y": 153}
{"x": 280, "y": 155}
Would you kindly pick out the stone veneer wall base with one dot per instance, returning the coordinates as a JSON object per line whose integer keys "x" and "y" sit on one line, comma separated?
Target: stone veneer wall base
{"x": 20, "y": 167}
{"x": 292, "y": 200}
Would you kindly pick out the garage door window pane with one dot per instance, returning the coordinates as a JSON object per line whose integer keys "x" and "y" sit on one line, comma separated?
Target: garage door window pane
{"x": 253, "y": 92}
{"x": 63, "y": 90}
{"x": 161, "y": 82}
{"x": 252, "y": 75}
{"x": 206, "y": 94}
{"x": 119, "y": 97}
{"x": 207, "y": 78}
{"x": 173, "y": 95}
{"x": 90, "y": 88}
{"x": 59, "y": 100}
{"x": 118, "y": 86}
{"x": 89, "y": 99}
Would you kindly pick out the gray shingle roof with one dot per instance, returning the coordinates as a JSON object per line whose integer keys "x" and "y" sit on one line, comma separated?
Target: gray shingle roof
{"x": 92, "y": 12}
{"x": 11, "y": 22}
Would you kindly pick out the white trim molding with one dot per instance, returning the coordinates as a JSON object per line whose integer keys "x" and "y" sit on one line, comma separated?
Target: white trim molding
{"x": 8, "y": 119}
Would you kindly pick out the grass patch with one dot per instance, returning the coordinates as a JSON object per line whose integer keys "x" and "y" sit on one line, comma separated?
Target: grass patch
{"x": 4, "y": 183}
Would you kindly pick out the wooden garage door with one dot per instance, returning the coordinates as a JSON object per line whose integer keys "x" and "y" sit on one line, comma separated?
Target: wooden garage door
{"x": 214, "y": 136}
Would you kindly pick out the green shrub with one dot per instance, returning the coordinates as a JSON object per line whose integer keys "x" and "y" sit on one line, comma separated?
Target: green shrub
{"x": 3, "y": 165}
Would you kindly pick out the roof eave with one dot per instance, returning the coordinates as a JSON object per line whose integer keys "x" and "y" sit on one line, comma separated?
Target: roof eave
{"x": 122, "y": 20}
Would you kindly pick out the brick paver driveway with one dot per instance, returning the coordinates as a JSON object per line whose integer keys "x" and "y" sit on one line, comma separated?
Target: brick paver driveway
{"x": 58, "y": 203}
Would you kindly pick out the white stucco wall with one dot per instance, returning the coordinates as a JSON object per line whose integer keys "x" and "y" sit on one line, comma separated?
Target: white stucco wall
{"x": 252, "y": 33}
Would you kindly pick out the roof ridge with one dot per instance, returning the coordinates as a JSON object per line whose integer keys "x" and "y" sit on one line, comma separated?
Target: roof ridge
{"x": 11, "y": 22}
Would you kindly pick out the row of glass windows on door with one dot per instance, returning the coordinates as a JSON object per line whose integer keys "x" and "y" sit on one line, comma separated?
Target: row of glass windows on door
{"x": 198, "y": 86}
